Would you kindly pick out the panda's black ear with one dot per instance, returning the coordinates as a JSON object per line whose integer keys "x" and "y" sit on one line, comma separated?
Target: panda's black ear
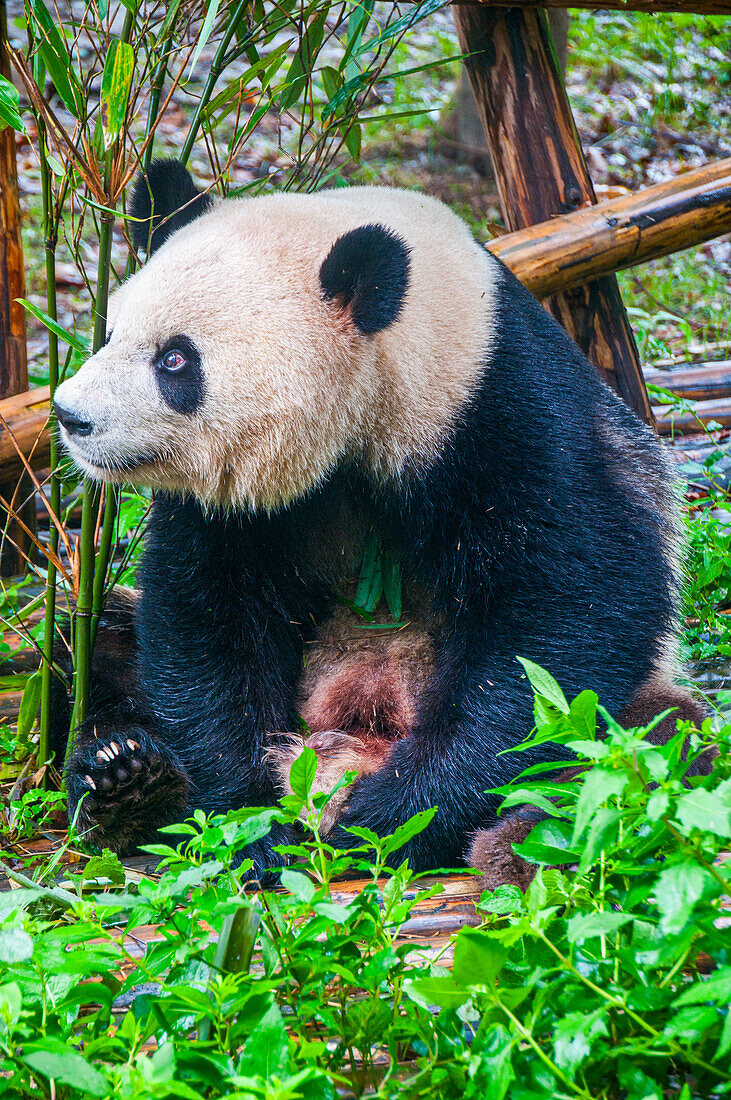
{"x": 164, "y": 198}
{"x": 367, "y": 271}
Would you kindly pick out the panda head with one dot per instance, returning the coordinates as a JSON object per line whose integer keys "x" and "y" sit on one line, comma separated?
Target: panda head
{"x": 264, "y": 341}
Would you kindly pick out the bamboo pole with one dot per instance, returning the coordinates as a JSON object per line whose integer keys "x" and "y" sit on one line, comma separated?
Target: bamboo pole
{"x": 16, "y": 545}
{"x": 686, "y": 7}
{"x": 540, "y": 170}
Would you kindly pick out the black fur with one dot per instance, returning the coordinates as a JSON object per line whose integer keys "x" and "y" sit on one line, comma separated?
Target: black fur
{"x": 535, "y": 538}
{"x": 163, "y": 199}
{"x": 184, "y": 388}
{"x": 367, "y": 270}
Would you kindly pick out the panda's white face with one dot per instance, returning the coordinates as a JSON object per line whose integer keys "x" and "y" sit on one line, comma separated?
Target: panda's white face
{"x": 232, "y": 374}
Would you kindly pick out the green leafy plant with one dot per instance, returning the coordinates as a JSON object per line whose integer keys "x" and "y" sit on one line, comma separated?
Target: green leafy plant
{"x": 609, "y": 978}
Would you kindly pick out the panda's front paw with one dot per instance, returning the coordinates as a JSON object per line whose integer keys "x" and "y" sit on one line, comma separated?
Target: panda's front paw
{"x": 125, "y": 786}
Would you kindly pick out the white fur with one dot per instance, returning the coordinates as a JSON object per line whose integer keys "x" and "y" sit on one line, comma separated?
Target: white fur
{"x": 291, "y": 386}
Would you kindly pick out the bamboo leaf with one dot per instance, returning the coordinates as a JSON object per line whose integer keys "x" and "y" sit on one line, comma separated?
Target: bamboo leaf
{"x": 67, "y": 337}
{"x": 352, "y": 137}
{"x": 303, "y": 61}
{"x": 9, "y": 105}
{"x": 400, "y": 26}
{"x": 391, "y": 569}
{"x": 205, "y": 32}
{"x": 29, "y": 705}
{"x": 116, "y": 82}
{"x": 52, "y": 48}
{"x": 370, "y": 584}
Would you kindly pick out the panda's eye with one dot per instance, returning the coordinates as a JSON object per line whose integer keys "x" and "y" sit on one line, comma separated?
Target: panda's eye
{"x": 173, "y": 361}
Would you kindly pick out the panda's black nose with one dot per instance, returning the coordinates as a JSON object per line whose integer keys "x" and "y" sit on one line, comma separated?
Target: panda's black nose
{"x": 72, "y": 423}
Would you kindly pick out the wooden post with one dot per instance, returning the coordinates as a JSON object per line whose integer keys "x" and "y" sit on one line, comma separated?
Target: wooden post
{"x": 540, "y": 170}
{"x": 13, "y": 363}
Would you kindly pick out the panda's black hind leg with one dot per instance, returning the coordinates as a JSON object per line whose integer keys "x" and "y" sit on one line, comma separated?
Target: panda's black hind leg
{"x": 123, "y": 785}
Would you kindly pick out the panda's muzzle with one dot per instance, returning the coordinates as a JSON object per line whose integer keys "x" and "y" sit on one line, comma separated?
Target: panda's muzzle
{"x": 72, "y": 423}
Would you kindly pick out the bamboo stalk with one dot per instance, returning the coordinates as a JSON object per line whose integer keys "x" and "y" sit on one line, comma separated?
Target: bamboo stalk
{"x": 217, "y": 66}
{"x": 50, "y": 230}
{"x": 90, "y": 507}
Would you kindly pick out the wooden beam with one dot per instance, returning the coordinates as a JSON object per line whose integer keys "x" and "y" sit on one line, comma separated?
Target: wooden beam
{"x": 540, "y": 170}
{"x": 711, "y": 382}
{"x": 686, "y": 7}
{"x": 593, "y": 241}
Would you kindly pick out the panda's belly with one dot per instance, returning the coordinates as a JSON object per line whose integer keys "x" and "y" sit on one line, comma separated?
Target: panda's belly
{"x": 359, "y": 694}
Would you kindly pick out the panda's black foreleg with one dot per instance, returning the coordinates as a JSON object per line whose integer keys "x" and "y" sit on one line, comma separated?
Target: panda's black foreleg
{"x": 123, "y": 781}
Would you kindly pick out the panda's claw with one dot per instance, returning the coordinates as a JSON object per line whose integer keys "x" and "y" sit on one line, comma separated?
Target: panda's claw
{"x": 122, "y": 788}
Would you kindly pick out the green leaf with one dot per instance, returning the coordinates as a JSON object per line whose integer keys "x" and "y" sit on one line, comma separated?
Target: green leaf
{"x": 29, "y": 705}
{"x": 15, "y": 945}
{"x": 302, "y": 773}
{"x": 9, "y": 105}
{"x": 544, "y": 684}
{"x": 116, "y": 82}
{"x": 691, "y": 1024}
{"x": 602, "y": 833}
{"x": 107, "y": 865}
{"x": 400, "y": 26}
{"x": 705, "y": 810}
{"x": 598, "y": 787}
{"x": 582, "y": 714}
{"x": 572, "y": 1038}
{"x": 678, "y": 889}
{"x": 205, "y": 31}
{"x": 390, "y": 564}
{"x": 55, "y": 55}
{"x": 352, "y": 136}
{"x": 407, "y": 831}
{"x": 67, "y": 337}
{"x": 11, "y": 1002}
{"x": 370, "y": 585}
{"x": 478, "y": 958}
{"x": 436, "y": 991}
{"x": 303, "y": 62}
{"x": 548, "y": 842}
{"x": 302, "y": 887}
{"x": 586, "y": 925}
{"x": 266, "y": 1051}
{"x": 716, "y": 989}
{"x": 64, "y": 1065}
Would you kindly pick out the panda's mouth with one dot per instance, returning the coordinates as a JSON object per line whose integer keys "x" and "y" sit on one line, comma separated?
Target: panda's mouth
{"x": 106, "y": 467}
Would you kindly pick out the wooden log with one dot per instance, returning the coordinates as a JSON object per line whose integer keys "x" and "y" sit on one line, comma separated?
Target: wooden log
{"x": 26, "y": 416}
{"x": 669, "y": 423}
{"x": 570, "y": 249}
{"x": 711, "y": 382}
{"x": 688, "y": 7}
{"x": 16, "y": 545}
{"x": 540, "y": 170}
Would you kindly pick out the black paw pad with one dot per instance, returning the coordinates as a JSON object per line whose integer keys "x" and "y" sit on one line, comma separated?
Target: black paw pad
{"x": 127, "y": 786}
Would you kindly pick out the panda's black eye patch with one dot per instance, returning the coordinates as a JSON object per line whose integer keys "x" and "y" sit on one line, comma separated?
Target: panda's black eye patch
{"x": 179, "y": 373}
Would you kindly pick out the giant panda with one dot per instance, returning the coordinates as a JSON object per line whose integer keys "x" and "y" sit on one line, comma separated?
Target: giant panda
{"x": 294, "y": 374}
